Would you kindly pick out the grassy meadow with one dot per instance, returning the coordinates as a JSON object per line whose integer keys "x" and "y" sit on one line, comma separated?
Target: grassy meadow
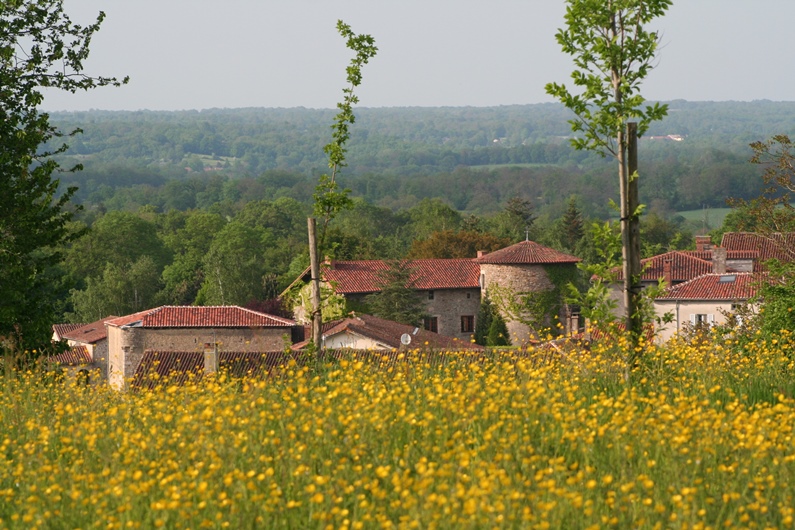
{"x": 699, "y": 436}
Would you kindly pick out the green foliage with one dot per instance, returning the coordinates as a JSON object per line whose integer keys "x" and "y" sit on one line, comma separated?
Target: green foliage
{"x": 573, "y": 228}
{"x": 452, "y": 244}
{"x": 498, "y": 332}
{"x": 486, "y": 314}
{"x": 613, "y": 53}
{"x": 596, "y": 303}
{"x": 120, "y": 290}
{"x": 329, "y": 199}
{"x": 397, "y": 298}
{"x": 233, "y": 270}
{"x": 39, "y": 48}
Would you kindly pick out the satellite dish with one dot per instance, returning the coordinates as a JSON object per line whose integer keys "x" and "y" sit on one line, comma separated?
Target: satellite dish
{"x": 405, "y": 339}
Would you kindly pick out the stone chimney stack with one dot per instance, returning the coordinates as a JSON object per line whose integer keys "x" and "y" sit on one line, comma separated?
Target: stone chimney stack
{"x": 482, "y": 253}
{"x": 719, "y": 260}
{"x": 703, "y": 243}
{"x": 667, "y": 266}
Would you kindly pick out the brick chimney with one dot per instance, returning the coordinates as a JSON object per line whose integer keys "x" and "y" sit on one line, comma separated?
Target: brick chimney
{"x": 703, "y": 243}
{"x": 667, "y": 266}
{"x": 482, "y": 253}
{"x": 719, "y": 260}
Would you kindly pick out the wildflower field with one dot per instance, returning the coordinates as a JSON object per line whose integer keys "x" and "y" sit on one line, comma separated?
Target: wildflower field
{"x": 698, "y": 436}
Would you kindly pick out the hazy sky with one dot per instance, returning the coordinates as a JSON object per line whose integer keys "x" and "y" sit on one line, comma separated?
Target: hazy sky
{"x": 197, "y": 54}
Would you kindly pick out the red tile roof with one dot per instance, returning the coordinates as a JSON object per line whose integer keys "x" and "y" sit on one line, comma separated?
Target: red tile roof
{"x": 683, "y": 267}
{"x": 351, "y": 277}
{"x": 90, "y": 333}
{"x": 74, "y": 356}
{"x": 778, "y": 246}
{"x": 201, "y": 317}
{"x": 732, "y": 286}
{"x": 178, "y": 367}
{"x": 59, "y": 330}
{"x": 527, "y": 253}
{"x": 730, "y": 254}
{"x": 389, "y": 333}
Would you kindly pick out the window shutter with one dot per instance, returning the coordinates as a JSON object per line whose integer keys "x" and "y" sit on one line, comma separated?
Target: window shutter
{"x": 693, "y": 319}
{"x": 710, "y": 319}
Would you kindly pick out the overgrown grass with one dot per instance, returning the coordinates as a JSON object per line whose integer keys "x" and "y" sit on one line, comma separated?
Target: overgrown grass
{"x": 698, "y": 436}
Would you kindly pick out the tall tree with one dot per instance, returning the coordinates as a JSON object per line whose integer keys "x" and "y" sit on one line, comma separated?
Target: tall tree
{"x": 573, "y": 228}
{"x": 397, "y": 299}
{"x": 40, "y": 47}
{"x": 329, "y": 200}
{"x": 613, "y": 53}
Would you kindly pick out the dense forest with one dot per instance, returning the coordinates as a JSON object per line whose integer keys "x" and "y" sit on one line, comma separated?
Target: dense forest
{"x": 210, "y": 207}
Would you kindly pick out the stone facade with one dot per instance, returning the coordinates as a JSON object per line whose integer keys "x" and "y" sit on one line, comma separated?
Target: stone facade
{"x": 449, "y": 306}
{"x": 127, "y": 344}
{"x": 517, "y": 281}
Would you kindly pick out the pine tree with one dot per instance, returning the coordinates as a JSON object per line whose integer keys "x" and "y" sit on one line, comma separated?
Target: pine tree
{"x": 498, "y": 332}
{"x": 397, "y": 299}
{"x": 483, "y": 322}
{"x": 573, "y": 230}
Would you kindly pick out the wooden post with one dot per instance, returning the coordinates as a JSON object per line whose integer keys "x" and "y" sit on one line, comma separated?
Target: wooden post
{"x": 635, "y": 322}
{"x": 314, "y": 267}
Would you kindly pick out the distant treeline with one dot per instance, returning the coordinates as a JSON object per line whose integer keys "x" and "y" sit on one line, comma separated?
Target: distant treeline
{"x": 401, "y": 155}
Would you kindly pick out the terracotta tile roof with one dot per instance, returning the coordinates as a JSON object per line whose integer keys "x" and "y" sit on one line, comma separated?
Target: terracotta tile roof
{"x": 733, "y": 286}
{"x": 683, "y": 267}
{"x": 778, "y": 246}
{"x": 74, "y": 356}
{"x": 527, "y": 253}
{"x": 178, "y": 367}
{"x": 389, "y": 332}
{"x": 351, "y": 277}
{"x": 201, "y": 317}
{"x": 90, "y": 333}
{"x": 730, "y": 254}
{"x": 59, "y": 330}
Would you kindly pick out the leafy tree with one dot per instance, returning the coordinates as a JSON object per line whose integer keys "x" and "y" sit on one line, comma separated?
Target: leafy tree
{"x": 184, "y": 276}
{"x": 120, "y": 290}
{"x": 431, "y": 215}
{"x": 40, "y": 48}
{"x": 772, "y": 217}
{"x": 397, "y": 299}
{"x": 233, "y": 270}
{"x": 329, "y": 200}
{"x": 613, "y": 53}
{"x": 452, "y": 244}
{"x": 120, "y": 238}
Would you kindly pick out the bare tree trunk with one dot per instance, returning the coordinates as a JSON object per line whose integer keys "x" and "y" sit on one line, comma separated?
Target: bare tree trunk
{"x": 314, "y": 267}
{"x": 635, "y": 321}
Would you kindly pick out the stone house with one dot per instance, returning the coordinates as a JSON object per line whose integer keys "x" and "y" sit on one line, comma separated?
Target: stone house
{"x": 88, "y": 342}
{"x": 367, "y": 332}
{"x": 451, "y": 289}
{"x": 211, "y": 329}
{"x": 704, "y": 301}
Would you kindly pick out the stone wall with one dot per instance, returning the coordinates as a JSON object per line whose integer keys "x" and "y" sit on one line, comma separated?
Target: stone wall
{"x": 448, "y": 306}
{"x": 519, "y": 280}
{"x": 127, "y": 346}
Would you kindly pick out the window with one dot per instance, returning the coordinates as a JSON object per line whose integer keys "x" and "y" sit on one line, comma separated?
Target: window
{"x": 701, "y": 319}
{"x": 467, "y": 323}
{"x": 431, "y": 324}
{"x": 430, "y": 295}
{"x": 469, "y": 295}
